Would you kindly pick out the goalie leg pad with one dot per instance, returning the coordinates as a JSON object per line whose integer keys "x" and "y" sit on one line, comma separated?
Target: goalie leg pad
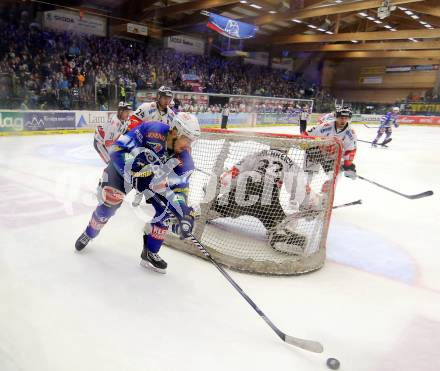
{"x": 288, "y": 242}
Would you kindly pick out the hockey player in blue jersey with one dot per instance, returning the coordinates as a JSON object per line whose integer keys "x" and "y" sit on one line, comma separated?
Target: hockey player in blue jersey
{"x": 385, "y": 127}
{"x": 155, "y": 159}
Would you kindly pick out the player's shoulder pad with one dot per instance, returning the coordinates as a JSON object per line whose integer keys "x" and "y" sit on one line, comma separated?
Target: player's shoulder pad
{"x": 155, "y": 129}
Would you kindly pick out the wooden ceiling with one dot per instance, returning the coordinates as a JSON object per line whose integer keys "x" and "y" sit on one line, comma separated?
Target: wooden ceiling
{"x": 328, "y": 26}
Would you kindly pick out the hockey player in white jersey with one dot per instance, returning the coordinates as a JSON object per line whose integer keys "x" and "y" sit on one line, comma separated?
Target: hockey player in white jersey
{"x": 108, "y": 133}
{"x": 340, "y": 128}
{"x": 316, "y": 159}
{"x": 159, "y": 110}
{"x": 252, "y": 187}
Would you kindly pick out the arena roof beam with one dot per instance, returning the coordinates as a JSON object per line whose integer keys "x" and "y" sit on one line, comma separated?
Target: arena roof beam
{"x": 359, "y": 36}
{"x": 423, "y": 54}
{"x": 426, "y": 9}
{"x": 192, "y": 6}
{"x": 424, "y": 45}
{"x": 320, "y": 11}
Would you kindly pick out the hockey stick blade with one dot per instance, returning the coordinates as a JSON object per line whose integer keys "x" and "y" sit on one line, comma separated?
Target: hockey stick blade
{"x": 310, "y": 345}
{"x": 371, "y": 127}
{"x": 420, "y": 195}
{"x": 410, "y": 197}
{"x": 358, "y": 202}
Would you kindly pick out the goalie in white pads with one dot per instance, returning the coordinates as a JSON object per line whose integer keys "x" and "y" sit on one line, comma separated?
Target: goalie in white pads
{"x": 252, "y": 187}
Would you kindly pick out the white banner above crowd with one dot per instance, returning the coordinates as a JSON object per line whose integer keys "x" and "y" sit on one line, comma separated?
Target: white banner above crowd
{"x": 65, "y": 20}
{"x": 185, "y": 44}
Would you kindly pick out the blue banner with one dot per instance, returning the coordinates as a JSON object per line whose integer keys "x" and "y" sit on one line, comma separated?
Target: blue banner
{"x": 230, "y": 27}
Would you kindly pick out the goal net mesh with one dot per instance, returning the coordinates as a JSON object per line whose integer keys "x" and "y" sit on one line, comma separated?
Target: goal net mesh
{"x": 265, "y": 200}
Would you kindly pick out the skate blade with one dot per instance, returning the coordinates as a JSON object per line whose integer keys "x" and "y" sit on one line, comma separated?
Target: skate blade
{"x": 148, "y": 265}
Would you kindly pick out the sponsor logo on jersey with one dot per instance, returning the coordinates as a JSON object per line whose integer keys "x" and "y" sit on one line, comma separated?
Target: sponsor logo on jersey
{"x": 139, "y": 135}
{"x": 156, "y": 147}
{"x": 156, "y": 135}
{"x": 158, "y": 233}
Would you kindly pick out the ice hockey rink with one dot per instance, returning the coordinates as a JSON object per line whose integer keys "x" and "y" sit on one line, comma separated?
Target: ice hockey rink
{"x": 375, "y": 305}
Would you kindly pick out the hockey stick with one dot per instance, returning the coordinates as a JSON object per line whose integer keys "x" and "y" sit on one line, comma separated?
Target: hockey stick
{"x": 386, "y": 141}
{"x": 371, "y": 127}
{"x": 202, "y": 171}
{"x": 358, "y": 202}
{"x": 411, "y": 197}
{"x": 310, "y": 345}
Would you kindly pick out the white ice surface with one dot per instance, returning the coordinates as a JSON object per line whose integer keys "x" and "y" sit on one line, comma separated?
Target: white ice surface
{"x": 375, "y": 305}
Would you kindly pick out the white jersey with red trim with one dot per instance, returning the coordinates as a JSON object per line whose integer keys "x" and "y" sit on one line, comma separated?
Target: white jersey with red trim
{"x": 150, "y": 112}
{"x": 347, "y": 137}
{"x": 327, "y": 118}
{"x": 107, "y": 134}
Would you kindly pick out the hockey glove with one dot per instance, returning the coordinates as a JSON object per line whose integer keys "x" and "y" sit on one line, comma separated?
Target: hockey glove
{"x": 184, "y": 227}
{"x": 350, "y": 171}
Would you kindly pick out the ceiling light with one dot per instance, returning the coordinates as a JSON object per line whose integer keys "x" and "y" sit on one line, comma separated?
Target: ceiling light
{"x": 422, "y": 22}
{"x": 393, "y": 29}
{"x": 338, "y": 1}
{"x": 370, "y": 18}
{"x": 409, "y": 12}
{"x": 427, "y": 25}
{"x": 256, "y": 6}
{"x": 296, "y": 20}
{"x": 362, "y": 14}
{"x": 243, "y": 1}
{"x": 272, "y": 11}
{"x": 311, "y": 26}
{"x": 413, "y": 40}
{"x": 329, "y": 32}
{"x": 320, "y": 29}
{"x": 415, "y": 16}
{"x": 377, "y": 21}
{"x": 354, "y": 41}
{"x": 402, "y": 8}
{"x": 389, "y": 27}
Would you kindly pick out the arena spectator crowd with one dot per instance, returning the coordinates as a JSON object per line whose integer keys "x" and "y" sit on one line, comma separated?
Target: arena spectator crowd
{"x": 48, "y": 70}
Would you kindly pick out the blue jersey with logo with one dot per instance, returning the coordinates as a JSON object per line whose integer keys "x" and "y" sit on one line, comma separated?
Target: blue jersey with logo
{"x": 143, "y": 153}
{"x": 387, "y": 120}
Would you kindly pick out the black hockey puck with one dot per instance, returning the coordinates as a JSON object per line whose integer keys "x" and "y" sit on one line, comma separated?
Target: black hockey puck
{"x": 333, "y": 363}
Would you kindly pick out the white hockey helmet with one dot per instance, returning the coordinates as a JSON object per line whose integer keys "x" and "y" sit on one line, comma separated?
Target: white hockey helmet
{"x": 396, "y": 109}
{"x": 164, "y": 91}
{"x": 124, "y": 106}
{"x": 186, "y": 124}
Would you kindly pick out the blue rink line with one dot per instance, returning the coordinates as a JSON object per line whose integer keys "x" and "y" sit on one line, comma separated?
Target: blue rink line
{"x": 362, "y": 249}
{"x": 83, "y": 154}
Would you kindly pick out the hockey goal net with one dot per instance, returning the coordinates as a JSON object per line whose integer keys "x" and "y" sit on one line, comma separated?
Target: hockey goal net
{"x": 265, "y": 200}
